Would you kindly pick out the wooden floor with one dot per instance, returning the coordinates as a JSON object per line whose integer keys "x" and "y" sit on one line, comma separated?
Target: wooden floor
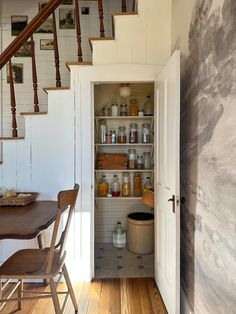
{"x": 115, "y": 296}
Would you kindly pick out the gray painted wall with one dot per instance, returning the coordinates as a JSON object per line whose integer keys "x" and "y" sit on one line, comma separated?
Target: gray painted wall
{"x": 208, "y": 157}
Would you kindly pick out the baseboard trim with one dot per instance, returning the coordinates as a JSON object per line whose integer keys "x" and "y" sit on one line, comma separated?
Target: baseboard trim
{"x": 185, "y": 307}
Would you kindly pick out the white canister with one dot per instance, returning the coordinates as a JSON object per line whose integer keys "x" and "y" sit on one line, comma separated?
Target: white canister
{"x": 114, "y": 110}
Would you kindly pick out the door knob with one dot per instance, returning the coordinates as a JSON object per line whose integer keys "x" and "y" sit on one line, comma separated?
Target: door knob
{"x": 173, "y": 203}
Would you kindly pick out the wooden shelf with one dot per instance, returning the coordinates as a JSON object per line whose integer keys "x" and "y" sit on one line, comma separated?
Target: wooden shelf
{"x": 125, "y": 170}
{"x": 124, "y": 117}
{"x": 126, "y": 144}
{"x": 10, "y": 138}
{"x": 119, "y": 198}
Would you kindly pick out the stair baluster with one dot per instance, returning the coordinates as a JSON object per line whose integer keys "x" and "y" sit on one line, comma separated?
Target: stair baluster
{"x": 13, "y": 101}
{"x": 78, "y": 31}
{"x": 100, "y": 11}
{"x": 34, "y": 76}
{"x": 123, "y": 5}
{"x": 56, "y": 51}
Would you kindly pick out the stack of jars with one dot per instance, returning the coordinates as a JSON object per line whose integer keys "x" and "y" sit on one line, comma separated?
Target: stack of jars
{"x": 139, "y": 162}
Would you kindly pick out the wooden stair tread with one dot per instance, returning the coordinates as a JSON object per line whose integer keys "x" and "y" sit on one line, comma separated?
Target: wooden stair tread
{"x": 33, "y": 113}
{"x": 98, "y": 39}
{"x": 124, "y": 13}
{"x": 68, "y": 63}
{"x": 10, "y": 138}
{"x": 47, "y": 89}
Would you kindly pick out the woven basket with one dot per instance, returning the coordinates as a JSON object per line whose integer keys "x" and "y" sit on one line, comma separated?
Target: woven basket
{"x": 18, "y": 201}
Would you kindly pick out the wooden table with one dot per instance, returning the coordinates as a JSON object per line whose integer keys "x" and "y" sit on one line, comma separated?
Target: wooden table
{"x": 26, "y": 222}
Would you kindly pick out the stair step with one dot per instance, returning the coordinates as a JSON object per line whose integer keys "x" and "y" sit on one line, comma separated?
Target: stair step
{"x": 47, "y": 89}
{"x": 33, "y": 113}
{"x": 68, "y": 63}
{"x": 98, "y": 39}
{"x": 10, "y": 138}
{"x": 119, "y": 14}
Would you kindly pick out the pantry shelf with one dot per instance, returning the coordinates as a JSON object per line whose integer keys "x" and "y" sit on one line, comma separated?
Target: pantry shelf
{"x": 123, "y": 170}
{"x": 127, "y": 144}
{"x": 124, "y": 117}
{"x": 119, "y": 198}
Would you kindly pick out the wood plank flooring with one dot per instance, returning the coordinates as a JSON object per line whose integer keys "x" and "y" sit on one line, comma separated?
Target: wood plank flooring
{"x": 101, "y": 296}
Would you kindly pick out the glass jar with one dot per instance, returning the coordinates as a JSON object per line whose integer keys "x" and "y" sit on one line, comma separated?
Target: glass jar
{"x": 103, "y": 187}
{"x": 140, "y": 112}
{"x": 126, "y": 185}
{"x": 146, "y": 133}
{"x": 106, "y": 111}
{"x": 139, "y": 162}
{"x": 115, "y": 186}
{"x": 108, "y": 137}
{"x": 147, "y": 185}
{"x": 133, "y": 133}
{"x": 119, "y": 237}
{"x": 103, "y": 131}
{"x": 113, "y": 137}
{"x": 133, "y": 107}
{"x": 123, "y": 110}
{"x": 137, "y": 184}
{"x": 147, "y": 160}
{"x": 114, "y": 110}
{"x": 121, "y": 139}
{"x": 148, "y": 107}
{"x": 132, "y": 159}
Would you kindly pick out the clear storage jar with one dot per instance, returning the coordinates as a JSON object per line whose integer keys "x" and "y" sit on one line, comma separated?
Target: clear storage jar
{"x": 146, "y": 133}
{"x": 121, "y": 139}
{"x": 133, "y": 107}
{"x": 132, "y": 159}
{"x": 148, "y": 107}
{"x": 147, "y": 164}
{"x": 114, "y": 110}
{"x": 103, "y": 187}
{"x": 123, "y": 110}
{"x": 137, "y": 184}
{"x": 126, "y": 185}
{"x": 133, "y": 133}
{"x": 103, "y": 131}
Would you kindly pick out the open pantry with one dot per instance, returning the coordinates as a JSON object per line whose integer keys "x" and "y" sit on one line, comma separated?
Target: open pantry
{"x": 124, "y": 169}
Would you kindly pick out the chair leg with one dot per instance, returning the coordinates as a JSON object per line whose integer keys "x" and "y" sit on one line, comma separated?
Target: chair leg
{"x": 20, "y": 288}
{"x": 55, "y": 296}
{"x": 70, "y": 288}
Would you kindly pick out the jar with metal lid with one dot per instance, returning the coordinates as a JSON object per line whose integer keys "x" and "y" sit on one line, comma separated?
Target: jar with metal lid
{"x": 137, "y": 184}
{"x": 133, "y": 107}
{"x": 115, "y": 186}
{"x": 114, "y": 110}
{"x": 103, "y": 131}
{"x": 126, "y": 185}
{"x": 132, "y": 159}
{"x": 103, "y": 187}
{"x": 121, "y": 139}
{"x": 123, "y": 110}
{"x": 147, "y": 160}
{"x": 139, "y": 162}
{"x": 148, "y": 107}
{"x": 146, "y": 133}
{"x": 133, "y": 133}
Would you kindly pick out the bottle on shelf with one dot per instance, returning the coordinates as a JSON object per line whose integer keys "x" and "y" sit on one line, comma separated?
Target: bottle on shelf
{"x": 147, "y": 185}
{"x": 148, "y": 107}
{"x": 115, "y": 110}
{"x": 137, "y": 184}
{"x": 115, "y": 186}
{"x": 103, "y": 187}
{"x": 113, "y": 137}
{"x": 121, "y": 139}
{"x": 147, "y": 164}
{"x": 146, "y": 133}
{"x": 109, "y": 137}
{"x": 133, "y": 107}
{"x": 133, "y": 133}
{"x": 140, "y": 162}
{"x": 119, "y": 237}
{"x": 103, "y": 132}
{"x": 123, "y": 110}
{"x": 126, "y": 185}
{"x": 131, "y": 158}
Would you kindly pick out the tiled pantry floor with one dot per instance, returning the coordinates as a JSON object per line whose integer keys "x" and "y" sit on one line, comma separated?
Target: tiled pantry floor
{"x": 111, "y": 262}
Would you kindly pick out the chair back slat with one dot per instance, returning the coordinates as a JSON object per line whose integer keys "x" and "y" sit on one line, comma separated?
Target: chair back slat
{"x": 66, "y": 200}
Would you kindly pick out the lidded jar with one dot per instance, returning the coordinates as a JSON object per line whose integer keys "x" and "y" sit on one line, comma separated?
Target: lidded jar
{"x": 148, "y": 107}
{"x": 123, "y": 110}
{"x": 114, "y": 110}
{"x": 133, "y": 107}
{"x": 115, "y": 186}
{"x": 137, "y": 184}
{"x": 146, "y": 133}
{"x": 103, "y": 131}
{"x": 147, "y": 164}
{"x": 126, "y": 185}
{"x": 121, "y": 139}
{"x": 131, "y": 158}
{"x": 103, "y": 187}
{"x": 133, "y": 133}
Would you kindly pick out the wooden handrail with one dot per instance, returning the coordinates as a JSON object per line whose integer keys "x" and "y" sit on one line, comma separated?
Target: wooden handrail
{"x": 28, "y": 31}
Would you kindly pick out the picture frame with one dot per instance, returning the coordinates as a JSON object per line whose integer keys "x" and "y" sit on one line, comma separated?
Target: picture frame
{"x": 85, "y": 10}
{"x": 66, "y": 18}
{"x": 17, "y": 69}
{"x": 25, "y": 50}
{"x": 46, "y": 27}
{"x": 18, "y": 23}
{"x": 67, "y": 2}
{"x": 46, "y": 44}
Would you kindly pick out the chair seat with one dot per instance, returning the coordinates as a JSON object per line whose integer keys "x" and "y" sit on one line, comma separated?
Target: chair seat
{"x": 30, "y": 263}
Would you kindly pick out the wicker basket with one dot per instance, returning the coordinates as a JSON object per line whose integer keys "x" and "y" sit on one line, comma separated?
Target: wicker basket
{"x": 18, "y": 201}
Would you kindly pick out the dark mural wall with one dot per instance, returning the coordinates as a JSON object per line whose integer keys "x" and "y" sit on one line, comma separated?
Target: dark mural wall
{"x": 208, "y": 158}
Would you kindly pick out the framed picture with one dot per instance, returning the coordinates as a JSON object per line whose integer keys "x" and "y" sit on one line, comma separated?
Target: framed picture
{"x": 17, "y": 72}
{"x": 46, "y": 44}
{"x": 18, "y": 23}
{"x": 25, "y": 50}
{"x": 85, "y": 10}
{"x": 67, "y": 2}
{"x": 66, "y": 19}
{"x": 46, "y": 27}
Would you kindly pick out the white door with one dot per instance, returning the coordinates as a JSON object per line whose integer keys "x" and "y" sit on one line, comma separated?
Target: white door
{"x": 167, "y": 207}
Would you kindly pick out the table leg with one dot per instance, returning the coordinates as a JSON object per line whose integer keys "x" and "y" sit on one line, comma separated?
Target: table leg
{"x": 40, "y": 244}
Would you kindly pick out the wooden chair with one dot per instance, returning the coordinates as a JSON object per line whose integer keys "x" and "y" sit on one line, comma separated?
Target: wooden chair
{"x": 43, "y": 264}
